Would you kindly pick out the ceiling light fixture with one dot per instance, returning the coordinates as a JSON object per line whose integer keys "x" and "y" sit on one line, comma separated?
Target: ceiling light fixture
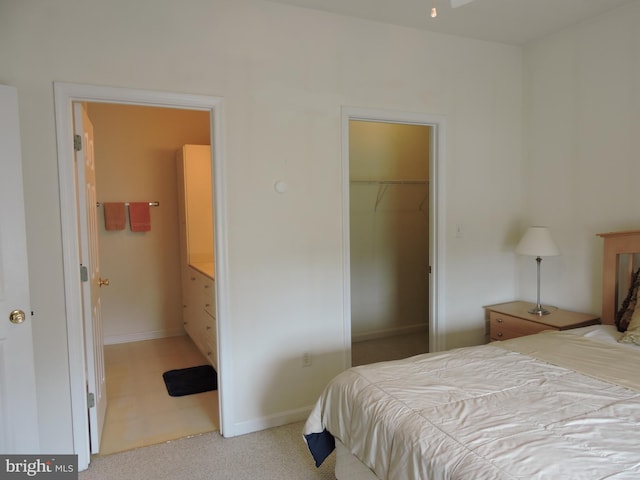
{"x": 454, "y": 4}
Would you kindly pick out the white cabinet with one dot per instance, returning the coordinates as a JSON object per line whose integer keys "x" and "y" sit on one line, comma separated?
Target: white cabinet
{"x": 199, "y": 315}
{"x": 196, "y": 196}
{"x": 195, "y": 216}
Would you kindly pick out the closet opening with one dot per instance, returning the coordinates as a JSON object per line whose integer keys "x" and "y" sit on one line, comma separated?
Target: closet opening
{"x": 389, "y": 241}
{"x": 393, "y": 233}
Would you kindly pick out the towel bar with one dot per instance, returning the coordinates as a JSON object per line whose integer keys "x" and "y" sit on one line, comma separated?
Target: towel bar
{"x": 126, "y": 204}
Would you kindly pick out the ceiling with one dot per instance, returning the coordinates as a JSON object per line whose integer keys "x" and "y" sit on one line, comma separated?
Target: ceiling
{"x": 514, "y": 22}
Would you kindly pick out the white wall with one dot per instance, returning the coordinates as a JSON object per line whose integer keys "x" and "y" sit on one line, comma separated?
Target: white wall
{"x": 135, "y": 151}
{"x": 284, "y": 74}
{"x": 583, "y": 120}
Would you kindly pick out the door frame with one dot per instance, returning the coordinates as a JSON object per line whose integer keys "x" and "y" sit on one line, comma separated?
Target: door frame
{"x": 65, "y": 94}
{"x": 437, "y": 219}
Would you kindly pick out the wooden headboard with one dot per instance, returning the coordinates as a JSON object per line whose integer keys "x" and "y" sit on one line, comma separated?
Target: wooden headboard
{"x": 616, "y": 243}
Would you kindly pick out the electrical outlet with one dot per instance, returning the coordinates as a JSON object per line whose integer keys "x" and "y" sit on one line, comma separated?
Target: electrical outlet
{"x": 306, "y": 359}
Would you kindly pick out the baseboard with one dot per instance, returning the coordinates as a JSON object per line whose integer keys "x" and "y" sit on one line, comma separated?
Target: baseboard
{"x": 389, "y": 332}
{"x": 138, "y": 337}
{"x": 270, "y": 421}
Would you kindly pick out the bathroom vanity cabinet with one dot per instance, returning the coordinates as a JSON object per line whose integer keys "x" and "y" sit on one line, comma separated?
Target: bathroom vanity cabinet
{"x": 199, "y": 312}
{"x": 195, "y": 217}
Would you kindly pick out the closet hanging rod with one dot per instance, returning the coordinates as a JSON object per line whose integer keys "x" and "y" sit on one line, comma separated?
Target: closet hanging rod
{"x": 392, "y": 182}
{"x": 126, "y": 204}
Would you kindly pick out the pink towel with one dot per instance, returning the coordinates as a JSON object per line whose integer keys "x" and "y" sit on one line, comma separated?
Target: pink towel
{"x": 114, "y": 216}
{"x": 139, "y": 216}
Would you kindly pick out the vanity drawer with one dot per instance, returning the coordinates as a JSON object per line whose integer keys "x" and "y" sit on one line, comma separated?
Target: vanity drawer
{"x": 209, "y": 296}
{"x": 211, "y": 348}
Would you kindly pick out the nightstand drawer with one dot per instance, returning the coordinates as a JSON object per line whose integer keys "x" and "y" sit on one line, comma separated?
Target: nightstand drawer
{"x": 504, "y": 327}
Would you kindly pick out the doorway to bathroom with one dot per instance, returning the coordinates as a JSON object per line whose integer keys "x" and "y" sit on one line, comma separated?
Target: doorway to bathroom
{"x": 135, "y": 158}
{"x": 83, "y": 357}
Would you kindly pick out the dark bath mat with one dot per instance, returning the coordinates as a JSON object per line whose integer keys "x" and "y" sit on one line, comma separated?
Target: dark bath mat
{"x": 187, "y": 381}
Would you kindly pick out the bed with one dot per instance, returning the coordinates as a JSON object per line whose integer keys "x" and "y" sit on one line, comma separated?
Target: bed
{"x": 554, "y": 405}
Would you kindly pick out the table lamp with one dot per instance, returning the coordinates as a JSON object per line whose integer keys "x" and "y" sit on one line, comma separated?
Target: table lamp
{"x": 537, "y": 242}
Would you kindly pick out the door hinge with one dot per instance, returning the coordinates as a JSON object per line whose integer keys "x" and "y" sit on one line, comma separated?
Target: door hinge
{"x": 91, "y": 400}
{"x": 84, "y": 274}
{"x": 77, "y": 143}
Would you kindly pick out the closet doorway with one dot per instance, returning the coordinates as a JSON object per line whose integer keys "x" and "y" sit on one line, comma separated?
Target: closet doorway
{"x": 390, "y": 166}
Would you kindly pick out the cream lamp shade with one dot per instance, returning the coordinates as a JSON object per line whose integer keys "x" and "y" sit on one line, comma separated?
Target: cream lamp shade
{"x": 537, "y": 242}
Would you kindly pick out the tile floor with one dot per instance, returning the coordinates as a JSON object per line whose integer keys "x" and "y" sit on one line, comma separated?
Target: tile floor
{"x": 140, "y": 412}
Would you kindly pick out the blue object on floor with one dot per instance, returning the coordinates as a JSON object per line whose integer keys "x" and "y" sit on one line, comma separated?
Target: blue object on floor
{"x": 187, "y": 381}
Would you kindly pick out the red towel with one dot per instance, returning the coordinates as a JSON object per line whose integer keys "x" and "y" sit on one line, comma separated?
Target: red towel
{"x": 114, "y": 216}
{"x": 139, "y": 216}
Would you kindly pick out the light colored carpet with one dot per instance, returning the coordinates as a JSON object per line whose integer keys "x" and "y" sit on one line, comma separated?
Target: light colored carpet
{"x": 274, "y": 454}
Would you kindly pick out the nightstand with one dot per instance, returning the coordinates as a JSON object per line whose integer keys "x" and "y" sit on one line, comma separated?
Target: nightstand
{"x": 511, "y": 320}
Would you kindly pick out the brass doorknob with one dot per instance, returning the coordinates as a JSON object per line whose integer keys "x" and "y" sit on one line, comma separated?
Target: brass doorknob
{"x": 17, "y": 316}
{"x": 103, "y": 281}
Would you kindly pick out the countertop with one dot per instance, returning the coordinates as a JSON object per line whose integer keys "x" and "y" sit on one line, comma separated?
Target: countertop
{"x": 205, "y": 268}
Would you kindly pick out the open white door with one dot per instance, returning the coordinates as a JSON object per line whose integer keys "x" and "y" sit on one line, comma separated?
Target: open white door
{"x": 90, "y": 273}
{"x": 18, "y": 408}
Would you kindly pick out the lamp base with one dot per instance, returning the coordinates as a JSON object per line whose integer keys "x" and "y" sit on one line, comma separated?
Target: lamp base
{"x": 539, "y": 310}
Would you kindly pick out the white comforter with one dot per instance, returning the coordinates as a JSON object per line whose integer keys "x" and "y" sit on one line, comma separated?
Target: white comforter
{"x": 490, "y": 412}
